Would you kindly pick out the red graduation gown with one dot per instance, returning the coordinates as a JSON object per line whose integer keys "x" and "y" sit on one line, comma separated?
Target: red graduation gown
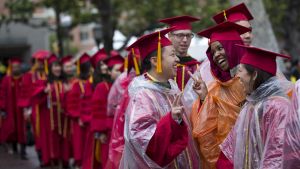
{"x": 14, "y": 125}
{"x": 96, "y": 153}
{"x": 52, "y": 141}
{"x": 67, "y": 104}
{"x": 79, "y": 109}
{"x": 182, "y": 76}
{"x": 33, "y": 84}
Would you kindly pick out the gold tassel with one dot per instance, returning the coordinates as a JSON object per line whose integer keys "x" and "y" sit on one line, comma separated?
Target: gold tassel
{"x": 126, "y": 64}
{"x": 91, "y": 79}
{"x": 37, "y": 123}
{"x": 136, "y": 66}
{"x": 225, "y": 16}
{"x": 97, "y": 151}
{"x": 81, "y": 85}
{"x": 8, "y": 72}
{"x": 46, "y": 67}
{"x": 159, "y": 67}
{"x": 182, "y": 80}
{"x": 78, "y": 67}
{"x": 58, "y": 106}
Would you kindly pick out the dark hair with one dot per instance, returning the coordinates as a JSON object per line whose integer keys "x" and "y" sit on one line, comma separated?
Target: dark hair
{"x": 262, "y": 76}
{"x": 98, "y": 76}
{"x": 85, "y": 70}
{"x": 51, "y": 76}
{"x": 146, "y": 64}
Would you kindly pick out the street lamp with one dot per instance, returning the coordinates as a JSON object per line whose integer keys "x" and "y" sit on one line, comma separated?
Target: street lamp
{"x": 97, "y": 30}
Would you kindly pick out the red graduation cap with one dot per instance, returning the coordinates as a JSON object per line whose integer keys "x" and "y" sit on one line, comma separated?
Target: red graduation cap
{"x": 83, "y": 59}
{"x": 15, "y": 60}
{"x": 66, "y": 59}
{"x": 100, "y": 55}
{"x": 180, "y": 22}
{"x": 234, "y": 14}
{"x": 52, "y": 58}
{"x": 115, "y": 58}
{"x": 49, "y": 61}
{"x": 260, "y": 58}
{"x": 41, "y": 54}
{"x": 152, "y": 42}
{"x": 224, "y": 31}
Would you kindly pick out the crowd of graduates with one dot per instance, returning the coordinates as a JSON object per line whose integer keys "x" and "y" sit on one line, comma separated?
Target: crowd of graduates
{"x": 157, "y": 107}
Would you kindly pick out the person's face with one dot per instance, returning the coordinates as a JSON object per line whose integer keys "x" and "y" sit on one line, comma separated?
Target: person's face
{"x": 39, "y": 65}
{"x": 246, "y": 37}
{"x": 16, "y": 69}
{"x": 103, "y": 68}
{"x": 181, "y": 40}
{"x": 115, "y": 71}
{"x": 169, "y": 62}
{"x": 245, "y": 78}
{"x": 56, "y": 69}
{"x": 219, "y": 55}
{"x": 68, "y": 68}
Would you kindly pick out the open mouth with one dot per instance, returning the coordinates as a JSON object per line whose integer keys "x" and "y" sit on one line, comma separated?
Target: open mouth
{"x": 221, "y": 61}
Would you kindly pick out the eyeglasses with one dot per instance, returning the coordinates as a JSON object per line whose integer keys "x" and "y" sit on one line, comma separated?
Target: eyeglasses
{"x": 182, "y": 35}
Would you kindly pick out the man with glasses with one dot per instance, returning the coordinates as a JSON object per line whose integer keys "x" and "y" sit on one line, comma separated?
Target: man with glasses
{"x": 181, "y": 38}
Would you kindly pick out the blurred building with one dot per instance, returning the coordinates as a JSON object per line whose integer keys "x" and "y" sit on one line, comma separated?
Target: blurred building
{"x": 19, "y": 39}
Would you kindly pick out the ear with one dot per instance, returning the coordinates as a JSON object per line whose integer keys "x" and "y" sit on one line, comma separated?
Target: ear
{"x": 153, "y": 61}
{"x": 254, "y": 75}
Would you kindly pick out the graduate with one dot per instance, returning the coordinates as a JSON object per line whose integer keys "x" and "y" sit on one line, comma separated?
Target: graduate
{"x": 13, "y": 124}
{"x": 79, "y": 109}
{"x": 266, "y": 133}
{"x": 101, "y": 123}
{"x": 215, "y": 110}
{"x": 117, "y": 103}
{"x": 68, "y": 79}
{"x": 181, "y": 38}
{"x": 50, "y": 96}
{"x": 33, "y": 83}
{"x": 157, "y": 133}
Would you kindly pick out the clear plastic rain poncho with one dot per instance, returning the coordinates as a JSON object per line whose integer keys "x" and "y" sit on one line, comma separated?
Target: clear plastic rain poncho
{"x": 149, "y": 102}
{"x": 292, "y": 141}
{"x": 115, "y": 95}
{"x": 266, "y": 134}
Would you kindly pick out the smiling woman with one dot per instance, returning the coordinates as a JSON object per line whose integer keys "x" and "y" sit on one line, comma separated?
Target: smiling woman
{"x": 215, "y": 111}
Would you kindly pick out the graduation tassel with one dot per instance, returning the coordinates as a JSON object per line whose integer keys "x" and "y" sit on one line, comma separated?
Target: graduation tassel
{"x": 78, "y": 67}
{"x": 97, "y": 151}
{"x": 91, "y": 79}
{"x": 8, "y": 72}
{"x": 126, "y": 64}
{"x": 225, "y": 16}
{"x": 136, "y": 66}
{"x": 46, "y": 67}
{"x": 159, "y": 68}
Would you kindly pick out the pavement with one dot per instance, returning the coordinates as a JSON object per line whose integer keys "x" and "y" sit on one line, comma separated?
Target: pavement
{"x": 13, "y": 161}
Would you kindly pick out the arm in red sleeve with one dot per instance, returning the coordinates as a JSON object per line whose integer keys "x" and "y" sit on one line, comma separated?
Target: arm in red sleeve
{"x": 24, "y": 99}
{"x": 223, "y": 162}
{"x": 168, "y": 141}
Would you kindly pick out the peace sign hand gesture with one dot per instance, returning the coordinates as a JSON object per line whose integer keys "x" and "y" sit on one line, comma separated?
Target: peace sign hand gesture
{"x": 177, "y": 108}
{"x": 199, "y": 86}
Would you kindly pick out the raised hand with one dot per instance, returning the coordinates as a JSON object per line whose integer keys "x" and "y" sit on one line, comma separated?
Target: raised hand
{"x": 177, "y": 108}
{"x": 199, "y": 86}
